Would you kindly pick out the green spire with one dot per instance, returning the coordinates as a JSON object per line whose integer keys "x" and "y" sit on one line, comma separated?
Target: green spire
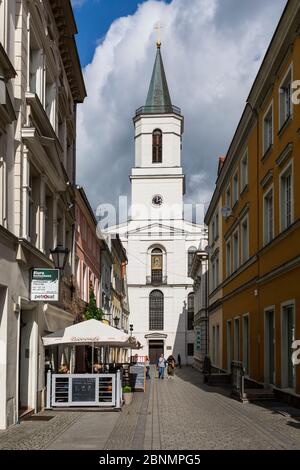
{"x": 158, "y": 99}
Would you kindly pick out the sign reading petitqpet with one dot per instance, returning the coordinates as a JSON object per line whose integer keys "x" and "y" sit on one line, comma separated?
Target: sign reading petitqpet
{"x": 45, "y": 284}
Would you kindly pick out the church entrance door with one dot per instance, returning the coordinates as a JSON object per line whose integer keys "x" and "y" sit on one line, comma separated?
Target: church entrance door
{"x": 156, "y": 348}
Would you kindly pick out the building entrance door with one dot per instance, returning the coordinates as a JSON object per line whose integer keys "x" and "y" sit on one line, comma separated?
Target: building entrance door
{"x": 270, "y": 347}
{"x": 25, "y": 363}
{"x": 156, "y": 348}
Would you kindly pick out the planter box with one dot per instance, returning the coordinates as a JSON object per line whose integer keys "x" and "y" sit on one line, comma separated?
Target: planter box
{"x": 127, "y": 397}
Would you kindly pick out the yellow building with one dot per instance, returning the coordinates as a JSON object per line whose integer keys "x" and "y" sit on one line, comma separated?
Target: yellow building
{"x": 258, "y": 201}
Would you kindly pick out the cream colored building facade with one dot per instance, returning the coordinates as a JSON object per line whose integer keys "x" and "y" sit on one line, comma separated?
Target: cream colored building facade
{"x": 215, "y": 293}
{"x": 40, "y": 85}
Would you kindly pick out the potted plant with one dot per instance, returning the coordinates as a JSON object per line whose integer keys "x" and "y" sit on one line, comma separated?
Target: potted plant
{"x": 127, "y": 394}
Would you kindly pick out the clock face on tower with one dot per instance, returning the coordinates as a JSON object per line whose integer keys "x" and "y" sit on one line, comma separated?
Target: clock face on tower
{"x": 157, "y": 200}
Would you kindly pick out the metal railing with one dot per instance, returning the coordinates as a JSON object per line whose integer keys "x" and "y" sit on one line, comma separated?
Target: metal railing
{"x": 158, "y": 110}
{"x": 238, "y": 379}
{"x": 156, "y": 280}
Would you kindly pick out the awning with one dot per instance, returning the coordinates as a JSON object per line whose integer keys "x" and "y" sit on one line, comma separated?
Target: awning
{"x": 91, "y": 332}
{"x": 56, "y": 318}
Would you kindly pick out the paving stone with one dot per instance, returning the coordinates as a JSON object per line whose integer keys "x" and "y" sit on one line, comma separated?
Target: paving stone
{"x": 175, "y": 414}
{"x": 34, "y": 435}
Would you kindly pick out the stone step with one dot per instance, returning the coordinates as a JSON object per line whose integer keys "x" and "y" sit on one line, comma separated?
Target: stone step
{"x": 218, "y": 379}
{"x": 25, "y": 413}
{"x": 257, "y": 394}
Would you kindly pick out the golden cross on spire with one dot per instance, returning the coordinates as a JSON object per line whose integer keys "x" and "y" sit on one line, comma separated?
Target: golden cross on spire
{"x": 158, "y": 27}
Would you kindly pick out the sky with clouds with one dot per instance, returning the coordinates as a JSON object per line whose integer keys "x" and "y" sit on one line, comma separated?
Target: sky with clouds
{"x": 211, "y": 49}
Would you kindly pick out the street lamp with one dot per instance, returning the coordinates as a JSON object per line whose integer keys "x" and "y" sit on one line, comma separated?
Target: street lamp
{"x": 131, "y": 330}
{"x": 116, "y": 320}
{"x": 59, "y": 255}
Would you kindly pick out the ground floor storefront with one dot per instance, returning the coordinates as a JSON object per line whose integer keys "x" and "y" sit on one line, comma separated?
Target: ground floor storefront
{"x": 23, "y": 323}
{"x": 260, "y": 327}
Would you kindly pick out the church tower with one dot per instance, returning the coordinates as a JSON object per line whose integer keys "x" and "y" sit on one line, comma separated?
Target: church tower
{"x": 159, "y": 243}
{"x": 157, "y": 180}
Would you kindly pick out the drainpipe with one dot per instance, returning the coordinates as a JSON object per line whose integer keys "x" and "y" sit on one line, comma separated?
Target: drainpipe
{"x": 256, "y": 293}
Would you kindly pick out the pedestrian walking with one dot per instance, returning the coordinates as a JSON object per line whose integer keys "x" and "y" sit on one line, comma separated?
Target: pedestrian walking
{"x": 147, "y": 364}
{"x": 171, "y": 367}
{"x": 161, "y": 364}
{"x": 179, "y": 361}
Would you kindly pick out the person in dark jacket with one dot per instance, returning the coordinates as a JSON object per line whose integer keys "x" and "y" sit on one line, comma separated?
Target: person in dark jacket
{"x": 171, "y": 367}
{"x": 179, "y": 361}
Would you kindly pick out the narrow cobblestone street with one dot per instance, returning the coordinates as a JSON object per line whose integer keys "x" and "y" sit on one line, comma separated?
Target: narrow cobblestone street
{"x": 172, "y": 414}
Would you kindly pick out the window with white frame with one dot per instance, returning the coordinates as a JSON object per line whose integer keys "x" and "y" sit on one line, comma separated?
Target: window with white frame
{"x": 33, "y": 206}
{"x": 286, "y": 197}
{"x": 156, "y": 310}
{"x": 268, "y": 216}
{"x": 50, "y": 104}
{"x": 246, "y": 343}
{"x": 191, "y": 253}
{"x": 85, "y": 284}
{"x": 228, "y": 257}
{"x": 228, "y": 197}
{"x": 235, "y": 250}
{"x": 78, "y": 270}
{"x": 245, "y": 239}
{"x": 215, "y": 272}
{"x": 268, "y": 129}
{"x": 3, "y": 29}
{"x": 35, "y": 67}
{"x": 214, "y": 344}
{"x": 244, "y": 171}
{"x": 3, "y": 181}
{"x": 217, "y": 225}
{"x": 285, "y": 103}
{"x": 229, "y": 344}
{"x": 237, "y": 339}
{"x": 235, "y": 188}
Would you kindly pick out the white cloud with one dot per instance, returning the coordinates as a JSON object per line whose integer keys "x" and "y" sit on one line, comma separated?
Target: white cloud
{"x": 77, "y": 3}
{"x": 211, "y": 51}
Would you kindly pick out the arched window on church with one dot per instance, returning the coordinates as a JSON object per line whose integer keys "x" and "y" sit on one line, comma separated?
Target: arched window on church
{"x": 191, "y": 252}
{"x": 156, "y": 310}
{"x": 157, "y": 146}
{"x": 156, "y": 266}
{"x": 191, "y": 311}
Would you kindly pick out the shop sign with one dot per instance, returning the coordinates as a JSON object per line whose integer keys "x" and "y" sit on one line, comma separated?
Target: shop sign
{"x": 45, "y": 285}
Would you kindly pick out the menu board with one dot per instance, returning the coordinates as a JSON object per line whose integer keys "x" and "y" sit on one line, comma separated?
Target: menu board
{"x": 83, "y": 389}
{"x": 137, "y": 377}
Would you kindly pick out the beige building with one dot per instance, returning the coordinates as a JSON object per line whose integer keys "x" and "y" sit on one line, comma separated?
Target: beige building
{"x": 40, "y": 85}
{"x": 215, "y": 290}
{"x": 198, "y": 304}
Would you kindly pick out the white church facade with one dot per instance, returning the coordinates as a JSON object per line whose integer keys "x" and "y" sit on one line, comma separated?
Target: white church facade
{"x": 159, "y": 242}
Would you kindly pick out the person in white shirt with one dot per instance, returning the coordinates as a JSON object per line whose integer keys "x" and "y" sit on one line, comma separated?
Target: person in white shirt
{"x": 147, "y": 364}
{"x": 161, "y": 364}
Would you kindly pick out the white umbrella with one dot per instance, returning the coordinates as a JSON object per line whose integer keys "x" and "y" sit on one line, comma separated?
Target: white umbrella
{"x": 90, "y": 332}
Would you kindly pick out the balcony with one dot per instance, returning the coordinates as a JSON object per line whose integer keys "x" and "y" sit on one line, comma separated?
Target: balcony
{"x": 158, "y": 110}
{"x": 156, "y": 280}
